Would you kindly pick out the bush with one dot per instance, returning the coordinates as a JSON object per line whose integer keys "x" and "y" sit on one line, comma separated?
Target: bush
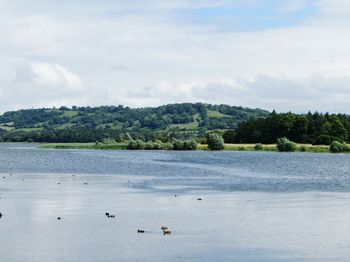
{"x": 168, "y": 146}
{"x": 241, "y": 148}
{"x": 302, "y": 148}
{"x": 177, "y": 144}
{"x": 338, "y": 147}
{"x": 285, "y": 145}
{"x": 158, "y": 145}
{"x": 136, "y": 144}
{"x": 184, "y": 145}
{"x": 215, "y": 142}
{"x": 149, "y": 145}
{"x": 258, "y": 147}
{"x": 190, "y": 145}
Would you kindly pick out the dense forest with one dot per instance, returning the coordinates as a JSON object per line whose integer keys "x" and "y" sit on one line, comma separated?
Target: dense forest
{"x": 90, "y": 124}
{"x": 316, "y": 128}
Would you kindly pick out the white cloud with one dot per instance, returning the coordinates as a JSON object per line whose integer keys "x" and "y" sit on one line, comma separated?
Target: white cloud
{"x": 48, "y": 75}
{"x": 139, "y": 54}
{"x": 309, "y": 92}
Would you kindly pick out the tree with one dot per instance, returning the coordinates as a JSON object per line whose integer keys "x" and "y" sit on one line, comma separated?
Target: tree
{"x": 215, "y": 141}
{"x": 229, "y": 136}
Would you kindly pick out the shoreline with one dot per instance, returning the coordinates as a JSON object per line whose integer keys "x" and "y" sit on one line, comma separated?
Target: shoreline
{"x": 201, "y": 147}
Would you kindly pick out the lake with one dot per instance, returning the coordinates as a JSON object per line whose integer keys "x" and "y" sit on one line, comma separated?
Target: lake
{"x": 256, "y": 206}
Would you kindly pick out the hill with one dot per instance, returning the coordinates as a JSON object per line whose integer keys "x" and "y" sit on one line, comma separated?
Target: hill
{"x": 87, "y": 124}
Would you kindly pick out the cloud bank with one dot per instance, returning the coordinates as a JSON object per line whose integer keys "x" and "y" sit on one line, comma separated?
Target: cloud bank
{"x": 284, "y": 55}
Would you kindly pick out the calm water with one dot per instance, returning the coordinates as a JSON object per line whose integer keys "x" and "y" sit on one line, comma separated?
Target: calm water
{"x": 256, "y": 206}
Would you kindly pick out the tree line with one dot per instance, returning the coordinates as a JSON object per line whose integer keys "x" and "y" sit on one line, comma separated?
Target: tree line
{"x": 316, "y": 128}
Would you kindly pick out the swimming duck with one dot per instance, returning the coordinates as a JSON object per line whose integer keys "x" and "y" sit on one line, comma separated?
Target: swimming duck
{"x": 166, "y": 232}
{"x": 140, "y": 231}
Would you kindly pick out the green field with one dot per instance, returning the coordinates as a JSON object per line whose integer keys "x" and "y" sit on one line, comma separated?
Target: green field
{"x": 189, "y": 126}
{"x": 212, "y": 113}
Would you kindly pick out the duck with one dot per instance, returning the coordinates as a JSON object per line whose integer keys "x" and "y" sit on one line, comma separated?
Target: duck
{"x": 0, "y": 215}
{"x": 164, "y": 228}
{"x": 58, "y": 218}
{"x": 166, "y": 232}
{"x": 112, "y": 216}
{"x": 140, "y": 231}
{"x": 85, "y": 183}
{"x": 199, "y": 199}
{"x": 107, "y": 214}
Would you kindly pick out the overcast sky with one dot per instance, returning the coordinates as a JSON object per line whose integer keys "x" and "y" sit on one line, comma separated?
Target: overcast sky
{"x": 273, "y": 54}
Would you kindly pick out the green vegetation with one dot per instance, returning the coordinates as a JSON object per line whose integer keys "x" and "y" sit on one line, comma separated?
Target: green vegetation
{"x": 314, "y": 129}
{"x": 302, "y": 148}
{"x": 117, "y": 146}
{"x": 338, "y": 147}
{"x": 186, "y": 126}
{"x": 169, "y": 146}
{"x": 88, "y": 124}
{"x": 285, "y": 145}
{"x": 258, "y": 147}
{"x": 215, "y": 141}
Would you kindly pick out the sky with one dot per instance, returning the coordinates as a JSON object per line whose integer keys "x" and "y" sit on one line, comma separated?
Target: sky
{"x": 273, "y": 54}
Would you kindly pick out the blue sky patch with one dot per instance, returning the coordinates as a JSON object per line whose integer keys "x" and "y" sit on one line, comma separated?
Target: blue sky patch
{"x": 263, "y": 15}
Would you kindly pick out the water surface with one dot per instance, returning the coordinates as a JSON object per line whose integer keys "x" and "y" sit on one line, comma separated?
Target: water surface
{"x": 255, "y": 206}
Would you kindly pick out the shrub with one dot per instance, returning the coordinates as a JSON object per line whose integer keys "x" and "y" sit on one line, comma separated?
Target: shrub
{"x": 149, "y": 145}
{"x": 158, "y": 145}
{"x": 285, "y": 145}
{"x": 338, "y": 147}
{"x": 168, "y": 146}
{"x": 241, "y": 148}
{"x": 190, "y": 145}
{"x": 184, "y": 145}
{"x": 177, "y": 144}
{"x": 258, "y": 147}
{"x": 215, "y": 142}
{"x": 108, "y": 141}
{"x": 136, "y": 144}
{"x": 302, "y": 148}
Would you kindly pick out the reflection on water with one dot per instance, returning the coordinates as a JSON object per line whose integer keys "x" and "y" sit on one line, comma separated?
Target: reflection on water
{"x": 255, "y": 207}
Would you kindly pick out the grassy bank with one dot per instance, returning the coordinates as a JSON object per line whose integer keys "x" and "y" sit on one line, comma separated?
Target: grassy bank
{"x": 228, "y": 147}
{"x": 118, "y": 146}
